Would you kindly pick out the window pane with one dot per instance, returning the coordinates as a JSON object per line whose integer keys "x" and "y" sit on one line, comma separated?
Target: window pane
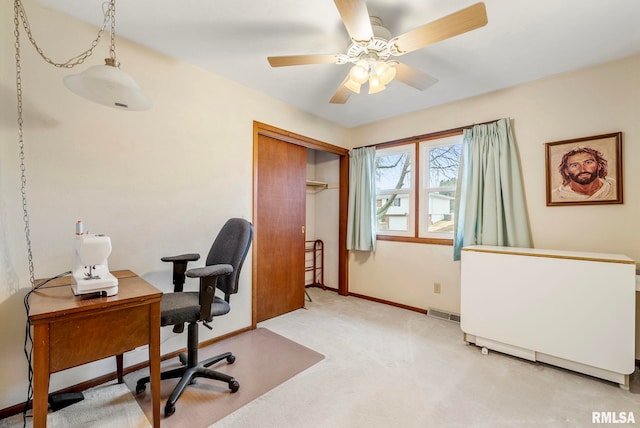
{"x": 393, "y": 212}
{"x": 443, "y": 165}
{"x": 394, "y": 190}
{"x": 440, "y": 206}
{"x": 393, "y": 172}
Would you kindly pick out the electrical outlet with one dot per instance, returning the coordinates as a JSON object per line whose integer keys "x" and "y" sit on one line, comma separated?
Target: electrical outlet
{"x": 436, "y": 287}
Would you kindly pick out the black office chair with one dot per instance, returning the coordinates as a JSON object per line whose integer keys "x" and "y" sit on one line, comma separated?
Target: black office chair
{"x": 222, "y": 271}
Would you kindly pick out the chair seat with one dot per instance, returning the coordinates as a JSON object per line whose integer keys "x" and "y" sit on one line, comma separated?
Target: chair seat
{"x": 178, "y": 308}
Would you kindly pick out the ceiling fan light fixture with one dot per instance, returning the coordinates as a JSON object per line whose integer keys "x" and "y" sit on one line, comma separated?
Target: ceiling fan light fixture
{"x": 108, "y": 85}
{"x": 385, "y": 72}
{"x": 353, "y": 86}
{"x": 375, "y": 84}
{"x": 360, "y": 72}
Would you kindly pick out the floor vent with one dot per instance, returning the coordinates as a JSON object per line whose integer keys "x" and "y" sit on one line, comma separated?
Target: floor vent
{"x": 437, "y": 313}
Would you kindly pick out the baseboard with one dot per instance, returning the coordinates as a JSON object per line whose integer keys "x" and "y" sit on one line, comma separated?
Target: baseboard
{"x": 387, "y": 302}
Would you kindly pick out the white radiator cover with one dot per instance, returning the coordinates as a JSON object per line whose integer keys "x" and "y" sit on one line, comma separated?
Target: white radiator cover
{"x": 571, "y": 309}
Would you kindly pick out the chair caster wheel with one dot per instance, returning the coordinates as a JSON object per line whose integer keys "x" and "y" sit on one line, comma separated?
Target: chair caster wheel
{"x": 183, "y": 359}
{"x": 140, "y": 388}
{"x": 231, "y": 359}
{"x": 169, "y": 410}
{"x": 234, "y": 386}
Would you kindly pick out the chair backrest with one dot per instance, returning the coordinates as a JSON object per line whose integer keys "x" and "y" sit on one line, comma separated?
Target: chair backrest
{"x": 231, "y": 247}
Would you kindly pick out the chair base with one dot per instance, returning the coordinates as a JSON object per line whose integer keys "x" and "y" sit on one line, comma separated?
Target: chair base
{"x": 191, "y": 370}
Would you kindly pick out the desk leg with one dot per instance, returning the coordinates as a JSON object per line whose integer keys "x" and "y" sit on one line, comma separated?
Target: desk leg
{"x": 120, "y": 367}
{"x": 154, "y": 361}
{"x": 40, "y": 375}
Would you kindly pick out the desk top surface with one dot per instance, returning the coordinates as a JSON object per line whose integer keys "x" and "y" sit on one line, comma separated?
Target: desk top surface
{"x": 56, "y": 299}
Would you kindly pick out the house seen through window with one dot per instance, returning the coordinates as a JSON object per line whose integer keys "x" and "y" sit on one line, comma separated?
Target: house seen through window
{"x": 416, "y": 186}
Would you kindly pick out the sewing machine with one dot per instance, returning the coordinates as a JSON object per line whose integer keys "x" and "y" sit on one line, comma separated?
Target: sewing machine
{"x": 90, "y": 271}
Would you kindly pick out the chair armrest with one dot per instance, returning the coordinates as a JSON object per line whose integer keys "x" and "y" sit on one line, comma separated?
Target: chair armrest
{"x": 208, "y": 279}
{"x": 212, "y": 270}
{"x": 191, "y": 257}
{"x": 179, "y": 268}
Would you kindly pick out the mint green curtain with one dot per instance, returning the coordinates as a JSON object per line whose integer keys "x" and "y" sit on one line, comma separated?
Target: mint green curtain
{"x": 361, "y": 220}
{"x": 490, "y": 203}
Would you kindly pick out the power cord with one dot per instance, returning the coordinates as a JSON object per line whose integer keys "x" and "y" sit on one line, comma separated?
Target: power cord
{"x": 28, "y": 344}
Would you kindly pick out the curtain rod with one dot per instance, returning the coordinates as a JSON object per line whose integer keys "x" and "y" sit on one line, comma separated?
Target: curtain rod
{"x": 430, "y": 135}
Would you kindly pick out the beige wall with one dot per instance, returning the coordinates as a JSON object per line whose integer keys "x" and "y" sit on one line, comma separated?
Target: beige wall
{"x": 158, "y": 182}
{"x": 593, "y": 101}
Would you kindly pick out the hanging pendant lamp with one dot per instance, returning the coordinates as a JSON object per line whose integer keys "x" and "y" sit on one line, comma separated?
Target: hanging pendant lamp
{"x": 107, "y": 84}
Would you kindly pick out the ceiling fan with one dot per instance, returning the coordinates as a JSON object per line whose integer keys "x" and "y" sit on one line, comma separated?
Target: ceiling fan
{"x": 372, "y": 45}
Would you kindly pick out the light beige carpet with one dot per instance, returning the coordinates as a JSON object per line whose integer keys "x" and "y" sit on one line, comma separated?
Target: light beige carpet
{"x": 264, "y": 360}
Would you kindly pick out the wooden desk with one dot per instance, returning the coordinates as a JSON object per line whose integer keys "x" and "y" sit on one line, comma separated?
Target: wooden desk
{"x": 70, "y": 331}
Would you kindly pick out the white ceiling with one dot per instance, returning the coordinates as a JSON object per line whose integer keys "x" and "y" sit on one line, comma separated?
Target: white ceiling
{"x": 524, "y": 40}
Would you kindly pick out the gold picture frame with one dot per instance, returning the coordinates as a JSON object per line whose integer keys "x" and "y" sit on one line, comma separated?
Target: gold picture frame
{"x": 584, "y": 171}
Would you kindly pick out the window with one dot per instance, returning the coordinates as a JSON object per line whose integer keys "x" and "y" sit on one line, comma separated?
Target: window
{"x": 417, "y": 203}
{"x": 440, "y": 159}
{"x": 394, "y": 191}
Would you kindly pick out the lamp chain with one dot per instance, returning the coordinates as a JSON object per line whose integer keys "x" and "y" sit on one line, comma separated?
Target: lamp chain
{"x": 23, "y": 177}
{"x": 78, "y": 59}
{"x": 20, "y": 15}
{"x": 112, "y": 18}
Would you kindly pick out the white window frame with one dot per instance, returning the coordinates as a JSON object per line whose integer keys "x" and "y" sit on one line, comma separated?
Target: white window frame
{"x": 410, "y": 150}
{"x": 425, "y": 189}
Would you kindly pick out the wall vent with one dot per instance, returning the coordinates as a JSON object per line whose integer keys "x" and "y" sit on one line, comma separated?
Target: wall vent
{"x": 443, "y": 315}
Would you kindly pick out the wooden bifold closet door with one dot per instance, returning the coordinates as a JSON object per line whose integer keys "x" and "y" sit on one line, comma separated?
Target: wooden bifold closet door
{"x": 280, "y": 220}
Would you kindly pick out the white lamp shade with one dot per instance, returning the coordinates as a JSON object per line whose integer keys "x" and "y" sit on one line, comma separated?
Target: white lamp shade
{"x": 360, "y": 72}
{"x": 109, "y": 86}
{"x": 353, "y": 86}
{"x": 375, "y": 85}
{"x": 386, "y": 72}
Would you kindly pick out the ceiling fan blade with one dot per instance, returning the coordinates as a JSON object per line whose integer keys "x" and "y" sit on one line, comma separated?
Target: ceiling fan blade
{"x": 342, "y": 93}
{"x": 356, "y": 19}
{"x": 414, "y": 77}
{"x": 459, "y": 22}
{"x": 282, "y": 61}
